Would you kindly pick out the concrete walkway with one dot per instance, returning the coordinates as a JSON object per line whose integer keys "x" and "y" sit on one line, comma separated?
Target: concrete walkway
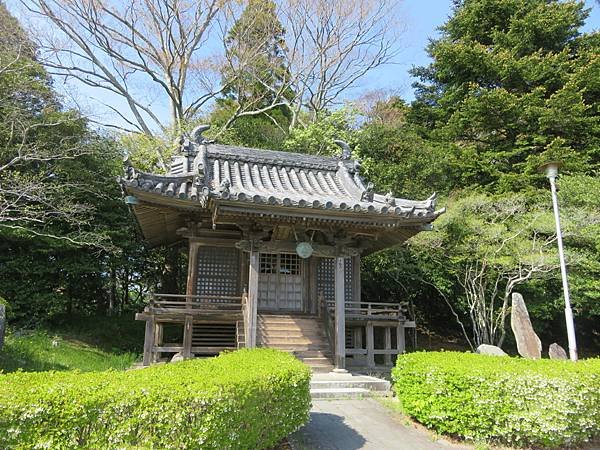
{"x": 360, "y": 424}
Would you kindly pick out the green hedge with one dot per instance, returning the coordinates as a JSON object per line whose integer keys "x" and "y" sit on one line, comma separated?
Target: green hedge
{"x": 247, "y": 399}
{"x": 501, "y": 400}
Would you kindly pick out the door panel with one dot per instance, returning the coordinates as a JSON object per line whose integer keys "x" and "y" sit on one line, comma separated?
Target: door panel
{"x": 280, "y": 284}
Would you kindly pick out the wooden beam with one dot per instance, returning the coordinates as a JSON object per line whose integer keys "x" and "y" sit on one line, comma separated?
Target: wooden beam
{"x": 370, "y": 346}
{"x": 252, "y": 298}
{"x": 328, "y": 251}
{"x": 148, "y": 342}
{"x": 340, "y": 319}
{"x": 188, "y": 330}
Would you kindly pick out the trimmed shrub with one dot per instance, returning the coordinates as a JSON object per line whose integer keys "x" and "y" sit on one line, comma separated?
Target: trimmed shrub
{"x": 247, "y": 399}
{"x": 501, "y": 400}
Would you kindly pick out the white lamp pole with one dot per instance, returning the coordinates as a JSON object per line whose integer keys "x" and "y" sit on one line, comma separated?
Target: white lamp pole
{"x": 551, "y": 171}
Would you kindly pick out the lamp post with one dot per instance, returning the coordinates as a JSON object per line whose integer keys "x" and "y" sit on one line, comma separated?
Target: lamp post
{"x": 551, "y": 171}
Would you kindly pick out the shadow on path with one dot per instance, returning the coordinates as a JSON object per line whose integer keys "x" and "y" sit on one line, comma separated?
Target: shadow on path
{"x": 327, "y": 431}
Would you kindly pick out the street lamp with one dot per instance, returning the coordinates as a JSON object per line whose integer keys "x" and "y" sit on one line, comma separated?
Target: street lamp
{"x": 551, "y": 171}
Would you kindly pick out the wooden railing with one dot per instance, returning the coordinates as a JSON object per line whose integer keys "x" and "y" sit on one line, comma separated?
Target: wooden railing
{"x": 192, "y": 304}
{"x": 372, "y": 310}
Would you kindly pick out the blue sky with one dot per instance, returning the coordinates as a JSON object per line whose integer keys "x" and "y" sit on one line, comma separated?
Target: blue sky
{"x": 421, "y": 19}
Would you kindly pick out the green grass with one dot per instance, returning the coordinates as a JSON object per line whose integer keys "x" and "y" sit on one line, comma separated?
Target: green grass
{"x": 38, "y": 351}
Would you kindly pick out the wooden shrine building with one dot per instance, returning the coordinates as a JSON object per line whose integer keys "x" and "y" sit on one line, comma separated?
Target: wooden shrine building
{"x": 275, "y": 241}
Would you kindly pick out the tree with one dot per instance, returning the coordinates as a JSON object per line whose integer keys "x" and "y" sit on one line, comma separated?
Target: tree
{"x": 151, "y": 52}
{"x": 492, "y": 244}
{"x": 512, "y": 83}
{"x": 38, "y": 141}
{"x": 255, "y": 69}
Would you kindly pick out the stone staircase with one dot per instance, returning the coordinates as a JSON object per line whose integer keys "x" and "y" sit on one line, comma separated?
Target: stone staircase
{"x": 303, "y": 336}
{"x": 347, "y": 386}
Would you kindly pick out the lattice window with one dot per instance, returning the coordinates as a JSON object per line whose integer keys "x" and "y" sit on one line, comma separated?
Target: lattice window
{"x": 268, "y": 263}
{"x": 218, "y": 271}
{"x": 348, "y": 276}
{"x": 326, "y": 279}
{"x": 289, "y": 264}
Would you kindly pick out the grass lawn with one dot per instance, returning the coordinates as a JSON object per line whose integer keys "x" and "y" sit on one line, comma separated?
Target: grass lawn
{"x": 85, "y": 344}
{"x": 38, "y": 351}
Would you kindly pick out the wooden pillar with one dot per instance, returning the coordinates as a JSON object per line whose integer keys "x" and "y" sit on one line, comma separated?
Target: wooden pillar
{"x": 188, "y": 329}
{"x": 387, "y": 358}
{"x": 253, "y": 298}
{"x": 192, "y": 276}
{"x": 370, "y": 346}
{"x": 158, "y": 340}
{"x": 340, "y": 317}
{"x": 357, "y": 337}
{"x": 401, "y": 338}
{"x": 148, "y": 342}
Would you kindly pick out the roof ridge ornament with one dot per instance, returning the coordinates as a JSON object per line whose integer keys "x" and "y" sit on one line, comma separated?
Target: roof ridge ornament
{"x": 197, "y": 134}
{"x": 368, "y": 193}
{"x": 346, "y": 150}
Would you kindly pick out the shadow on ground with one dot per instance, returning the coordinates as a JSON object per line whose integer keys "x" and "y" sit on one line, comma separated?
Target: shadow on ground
{"x": 327, "y": 432}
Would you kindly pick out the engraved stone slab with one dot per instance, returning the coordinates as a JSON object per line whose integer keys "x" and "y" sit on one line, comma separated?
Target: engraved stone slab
{"x": 528, "y": 343}
{"x": 557, "y": 352}
{"x": 485, "y": 349}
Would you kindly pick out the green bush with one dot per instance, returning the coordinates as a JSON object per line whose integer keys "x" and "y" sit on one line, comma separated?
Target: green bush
{"x": 247, "y": 399}
{"x": 501, "y": 400}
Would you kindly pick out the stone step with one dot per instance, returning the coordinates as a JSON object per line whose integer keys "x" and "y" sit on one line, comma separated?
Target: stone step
{"x": 371, "y": 385}
{"x": 315, "y": 361}
{"x": 340, "y": 393}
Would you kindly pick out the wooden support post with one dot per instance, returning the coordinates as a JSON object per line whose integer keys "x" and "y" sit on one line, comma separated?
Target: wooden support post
{"x": 188, "y": 330}
{"x": 253, "y": 298}
{"x": 370, "y": 346}
{"x": 387, "y": 358}
{"x": 401, "y": 338}
{"x": 340, "y": 317}
{"x": 158, "y": 340}
{"x": 357, "y": 337}
{"x": 148, "y": 342}
{"x": 192, "y": 277}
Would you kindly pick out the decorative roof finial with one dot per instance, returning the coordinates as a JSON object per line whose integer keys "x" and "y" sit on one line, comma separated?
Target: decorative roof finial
{"x": 197, "y": 134}
{"x": 346, "y": 150}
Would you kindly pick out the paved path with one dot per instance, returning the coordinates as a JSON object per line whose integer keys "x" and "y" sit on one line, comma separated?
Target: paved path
{"x": 360, "y": 424}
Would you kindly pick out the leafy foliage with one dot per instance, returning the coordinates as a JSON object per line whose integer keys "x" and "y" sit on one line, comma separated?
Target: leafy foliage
{"x": 246, "y": 399}
{"x": 506, "y": 90}
{"x": 504, "y": 400}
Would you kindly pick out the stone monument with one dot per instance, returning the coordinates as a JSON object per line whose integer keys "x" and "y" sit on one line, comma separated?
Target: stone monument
{"x": 528, "y": 343}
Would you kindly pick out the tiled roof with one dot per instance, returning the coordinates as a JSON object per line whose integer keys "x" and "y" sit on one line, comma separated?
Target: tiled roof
{"x": 245, "y": 176}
